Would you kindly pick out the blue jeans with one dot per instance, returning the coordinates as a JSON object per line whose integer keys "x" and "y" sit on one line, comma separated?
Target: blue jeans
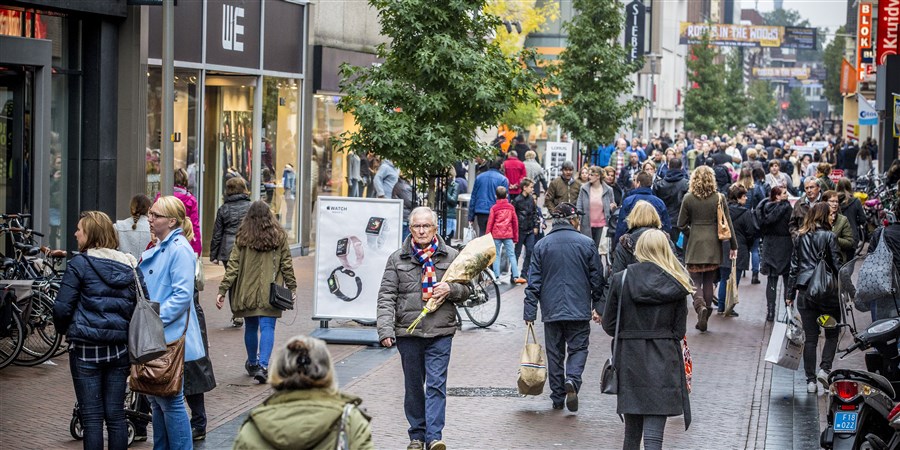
{"x": 100, "y": 390}
{"x": 527, "y": 241}
{"x": 754, "y": 255}
{"x": 425, "y": 362}
{"x": 507, "y": 245}
{"x": 259, "y": 347}
{"x": 724, "y": 273}
{"x": 171, "y": 424}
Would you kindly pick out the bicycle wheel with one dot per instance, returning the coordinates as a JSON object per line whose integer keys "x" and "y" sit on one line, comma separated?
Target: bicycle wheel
{"x": 11, "y": 341}
{"x": 42, "y": 340}
{"x": 483, "y": 306}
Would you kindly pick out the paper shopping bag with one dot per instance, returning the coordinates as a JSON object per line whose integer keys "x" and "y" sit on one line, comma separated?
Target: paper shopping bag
{"x": 731, "y": 296}
{"x": 785, "y": 344}
{"x": 532, "y": 367}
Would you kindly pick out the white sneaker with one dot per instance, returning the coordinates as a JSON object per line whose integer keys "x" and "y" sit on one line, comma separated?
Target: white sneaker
{"x": 811, "y": 387}
{"x": 822, "y": 377}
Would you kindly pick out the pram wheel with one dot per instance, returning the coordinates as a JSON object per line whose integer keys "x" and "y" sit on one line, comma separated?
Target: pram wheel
{"x": 76, "y": 430}
{"x": 130, "y": 432}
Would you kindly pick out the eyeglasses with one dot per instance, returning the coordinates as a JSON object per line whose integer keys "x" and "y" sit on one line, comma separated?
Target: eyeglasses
{"x": 421, "y": 227}
{"x": 810, "y": 187}
{"x": 153, "y": 216}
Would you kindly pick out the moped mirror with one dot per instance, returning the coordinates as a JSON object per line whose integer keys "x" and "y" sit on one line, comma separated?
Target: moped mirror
{"x": 827, "y": 322}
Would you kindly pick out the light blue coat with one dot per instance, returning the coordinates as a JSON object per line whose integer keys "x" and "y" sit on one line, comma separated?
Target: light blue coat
{"x": 168, "y": 271}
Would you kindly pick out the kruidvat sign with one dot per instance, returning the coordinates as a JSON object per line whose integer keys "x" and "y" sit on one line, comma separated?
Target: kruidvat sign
{"x": 888, "y": 28}
{"x": 635, "y": 16}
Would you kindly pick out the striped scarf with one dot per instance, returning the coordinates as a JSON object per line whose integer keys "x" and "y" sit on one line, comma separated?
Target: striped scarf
{"x": 429, "y": 276}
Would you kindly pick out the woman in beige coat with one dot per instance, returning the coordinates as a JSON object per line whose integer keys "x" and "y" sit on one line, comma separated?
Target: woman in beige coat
{"x": 703, "y": 252}
{"x": 260, "y": 257}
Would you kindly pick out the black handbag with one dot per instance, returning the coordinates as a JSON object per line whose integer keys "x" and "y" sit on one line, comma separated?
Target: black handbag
{"x": 822, "y": 286}
{"x": 280, "y": 297}
{"x": 609, "y": 378}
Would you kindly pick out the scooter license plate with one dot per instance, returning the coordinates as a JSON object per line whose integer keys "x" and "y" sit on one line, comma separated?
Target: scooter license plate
{"x": 845, "y": 422}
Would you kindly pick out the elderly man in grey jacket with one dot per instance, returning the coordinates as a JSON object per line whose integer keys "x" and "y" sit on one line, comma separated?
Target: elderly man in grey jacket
{"x": 411, "y": 279}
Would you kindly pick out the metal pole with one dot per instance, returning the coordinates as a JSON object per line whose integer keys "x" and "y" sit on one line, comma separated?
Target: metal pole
{"x": 258, "y": 144}
{"x": 167, "y": 153}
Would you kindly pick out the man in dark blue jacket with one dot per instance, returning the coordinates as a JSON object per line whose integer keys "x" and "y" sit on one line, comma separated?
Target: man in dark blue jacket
{"x": 484, "y": 194}
{"x": 643, "y": 192}
{"x": 566, "y": 279}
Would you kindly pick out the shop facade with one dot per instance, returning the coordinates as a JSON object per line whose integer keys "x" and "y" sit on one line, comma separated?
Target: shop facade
{"x": 239, "y": 90}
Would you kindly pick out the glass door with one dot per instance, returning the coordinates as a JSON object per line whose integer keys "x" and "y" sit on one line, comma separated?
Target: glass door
{"x": 16, "y": 163}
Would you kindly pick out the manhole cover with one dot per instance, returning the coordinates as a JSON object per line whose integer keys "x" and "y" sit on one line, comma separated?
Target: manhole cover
{"x": 482, "y": 392}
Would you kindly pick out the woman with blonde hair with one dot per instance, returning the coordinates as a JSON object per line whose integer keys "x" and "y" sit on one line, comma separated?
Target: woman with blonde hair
{"x": 648, "y": 302}
{"x": 643, "y": 217}
{"x": 703, "y": 250}
{"x": 169, "y": 269}
{"x": 303, "y": 378}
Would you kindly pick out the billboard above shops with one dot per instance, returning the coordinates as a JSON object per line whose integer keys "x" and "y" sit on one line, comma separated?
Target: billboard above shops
{"x": 729, "y": 35}
{"x": 800, "y": 73}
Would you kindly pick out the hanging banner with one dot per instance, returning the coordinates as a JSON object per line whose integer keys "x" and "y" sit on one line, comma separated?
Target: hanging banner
{"x": 557, "y": 153}
{"x": 354, "y": 238}
{"x": 867, "y": 114}
{"x": 863, "y": 38}
{"x": 888, "y": 30}
{"x": 848, "y": 77}
{"x": 635, "y": 14}
{"x": 729, "y": 35}
{"x": 800, "y": 73}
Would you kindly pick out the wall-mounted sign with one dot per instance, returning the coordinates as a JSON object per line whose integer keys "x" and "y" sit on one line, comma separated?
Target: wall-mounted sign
{"x": 888, "y": 30}
{"x": 863, "y": 37}
{"x": 801, "y": 73}
{"x": 635, "y": 15}
{"x": 728, "y": 35}
{"x": 867, "y": 114}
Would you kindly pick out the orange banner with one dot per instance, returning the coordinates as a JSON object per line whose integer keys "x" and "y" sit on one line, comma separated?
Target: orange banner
{"x": 848, "y": 78}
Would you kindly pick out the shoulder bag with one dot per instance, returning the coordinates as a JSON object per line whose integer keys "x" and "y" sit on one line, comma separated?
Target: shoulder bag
{"x": 609, "y": 378}
{"x": 877, "y": 276}
{"x": 163, "y": 376}
{"x": 722, "y": 219}
{"x": 146, "y": 336}
{"x": 822, "y": 287}
{"x": 280, "y": 297}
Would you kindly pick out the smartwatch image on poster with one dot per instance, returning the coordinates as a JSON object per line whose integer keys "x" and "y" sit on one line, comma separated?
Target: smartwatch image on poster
{"x": 343, "y": 251}
{"x": 376, "y": 231}
{"x": 335, "y": 286}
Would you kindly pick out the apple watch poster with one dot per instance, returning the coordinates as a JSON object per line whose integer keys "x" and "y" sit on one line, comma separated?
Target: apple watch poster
{"x": 354, "y": 238}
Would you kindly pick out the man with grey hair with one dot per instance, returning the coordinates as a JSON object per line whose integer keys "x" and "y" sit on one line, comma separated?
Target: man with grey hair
{"x": 619, "y": 158}
{"x": 410, "y": 280}
{"x": 567, "y": 280}
{"x": 563, "y": 188}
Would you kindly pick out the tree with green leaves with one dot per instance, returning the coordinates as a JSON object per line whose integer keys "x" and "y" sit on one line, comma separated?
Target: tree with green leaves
{"x": 761, "y": 105}
{"x": 704, "y": 102}
{"x": 735, "y": 98}
{"x": 798, "y": 107}
{"x": 440, "y": 81}
{"x": 834, "y": 55}
{"x": 594, "y": 74}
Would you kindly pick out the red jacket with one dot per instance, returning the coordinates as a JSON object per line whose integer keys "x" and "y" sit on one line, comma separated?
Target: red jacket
{"x": 503, "y": 222}
{"x": 515, "y": 171}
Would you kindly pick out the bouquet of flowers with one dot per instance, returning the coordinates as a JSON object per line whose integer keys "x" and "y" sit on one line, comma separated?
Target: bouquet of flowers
{"x": 476, "y": 256}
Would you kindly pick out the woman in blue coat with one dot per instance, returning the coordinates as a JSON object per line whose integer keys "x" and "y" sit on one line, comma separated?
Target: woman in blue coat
{"x": 169, "y": 272}
{"x": 94, "y": 306}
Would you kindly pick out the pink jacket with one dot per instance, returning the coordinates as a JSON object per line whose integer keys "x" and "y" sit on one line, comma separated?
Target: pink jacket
{"x": 502, "y": 221}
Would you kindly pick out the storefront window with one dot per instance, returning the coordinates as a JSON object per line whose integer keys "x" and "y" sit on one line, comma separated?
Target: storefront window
{"x": 279, "y": 154}
{"x": 185, "y": 117}
{"x": 330, "y": 166}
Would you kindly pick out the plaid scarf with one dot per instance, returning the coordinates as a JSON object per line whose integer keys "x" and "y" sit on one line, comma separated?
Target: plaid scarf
{"x": 429, "y": 276}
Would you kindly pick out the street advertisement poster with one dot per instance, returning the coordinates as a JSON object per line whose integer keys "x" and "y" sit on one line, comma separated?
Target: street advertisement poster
{"x": 888, "y": 36}
{"x": 729, "y": 35}
{"x": 557, "y": 153}
{"x": 800, "y": 73}
{"x": 354, "y": 238}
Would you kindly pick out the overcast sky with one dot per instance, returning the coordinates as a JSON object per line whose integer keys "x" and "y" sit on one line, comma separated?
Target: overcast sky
{"x": 821, "y": 13}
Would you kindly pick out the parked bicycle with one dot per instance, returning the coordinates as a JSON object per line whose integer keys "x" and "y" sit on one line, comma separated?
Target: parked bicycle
{"x": 483, "y": 306}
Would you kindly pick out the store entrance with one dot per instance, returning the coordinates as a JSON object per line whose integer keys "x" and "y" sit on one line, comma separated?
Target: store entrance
{"x": 16, "y": 158}
{"x": 228, "y": 143}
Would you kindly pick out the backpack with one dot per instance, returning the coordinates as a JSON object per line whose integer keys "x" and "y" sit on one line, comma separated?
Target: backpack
{"x": 877, "y": 276}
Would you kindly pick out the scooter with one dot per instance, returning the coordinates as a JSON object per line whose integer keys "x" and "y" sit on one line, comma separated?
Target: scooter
{"x": 860, "y": 402}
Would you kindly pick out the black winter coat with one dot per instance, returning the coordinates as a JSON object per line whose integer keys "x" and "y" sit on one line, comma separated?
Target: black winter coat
{"x": 96, "y": 300}
{"x": 565, "y": 277}
{"x": 853, "y": 211}
{"x": 671, "y": 190}
{"x": 746, "y": 230}
{"x": 648, "y": 355}
{"x": 528, "y": 213}
{"x": 807, "y": 251}
{"x": 228, "y": 219}
{"x": 774, "y": 222}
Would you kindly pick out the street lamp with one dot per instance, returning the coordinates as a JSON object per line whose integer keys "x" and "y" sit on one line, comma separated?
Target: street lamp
{"x": 654, "y": 58}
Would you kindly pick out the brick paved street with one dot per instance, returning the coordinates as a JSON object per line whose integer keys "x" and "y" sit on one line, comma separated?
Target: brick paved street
{"x": 730, "y": 402}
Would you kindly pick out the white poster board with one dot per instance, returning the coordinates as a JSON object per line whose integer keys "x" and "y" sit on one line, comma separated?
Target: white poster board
{"x": 354, "y": 238}
{"x": 557, "y": 153}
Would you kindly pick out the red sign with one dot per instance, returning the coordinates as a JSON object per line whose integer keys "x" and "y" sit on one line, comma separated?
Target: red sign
{"x": 836, "y": 175}
{"x": 888, "y": 30}
{"x": 863, "y": 37}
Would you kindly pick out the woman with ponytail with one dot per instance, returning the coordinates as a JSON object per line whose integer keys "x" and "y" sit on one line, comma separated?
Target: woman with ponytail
{"x": 134, "y": 232}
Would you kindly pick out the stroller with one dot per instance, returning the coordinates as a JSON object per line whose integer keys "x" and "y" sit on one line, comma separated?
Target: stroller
{"x": 134, "y": 404}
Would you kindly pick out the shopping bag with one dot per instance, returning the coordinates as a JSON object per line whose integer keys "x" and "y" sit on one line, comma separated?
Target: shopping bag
{"x": 731, "y": 295}
{"x": 146, "y": 336}
{"x": 532, "y": 367}
{"x": 468, "y": 235}
{"x": 786, "y": 343}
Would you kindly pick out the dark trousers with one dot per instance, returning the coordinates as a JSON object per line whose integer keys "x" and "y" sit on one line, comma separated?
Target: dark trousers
{"x": 527, "y": 241}
{"x": 198, "y": 410}
{"x": 809, "y": 312}
{"x": 651, "y": 428}
{"x": 567, "y": 350}
{"x": 772, "y": 288}
{"x": 481, "y": 220}
{"x": 425, "y": 362}
{"x": 100, "y": 391}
